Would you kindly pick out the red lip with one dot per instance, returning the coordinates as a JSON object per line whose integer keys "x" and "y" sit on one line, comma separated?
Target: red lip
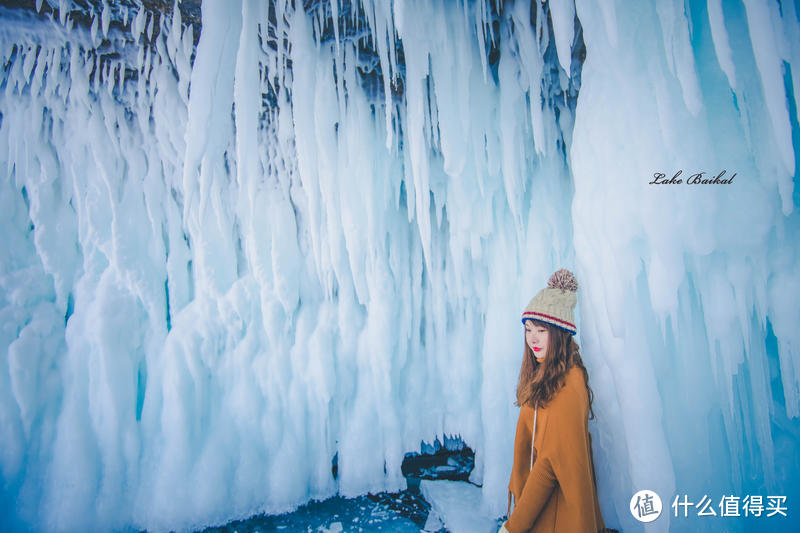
{"x": 537, "y": 349}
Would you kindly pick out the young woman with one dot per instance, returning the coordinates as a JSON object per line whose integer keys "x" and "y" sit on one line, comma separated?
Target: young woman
{"x": 552, "y": 479}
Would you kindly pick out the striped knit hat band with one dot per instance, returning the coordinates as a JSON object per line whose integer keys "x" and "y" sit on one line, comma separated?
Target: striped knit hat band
{"x": 555, "y": 304}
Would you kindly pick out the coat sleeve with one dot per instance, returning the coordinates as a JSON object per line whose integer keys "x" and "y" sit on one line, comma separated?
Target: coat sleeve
{"x": 522, "y": 441}
{"x": 538, "y": 487}
{"x": 572, "y": 458}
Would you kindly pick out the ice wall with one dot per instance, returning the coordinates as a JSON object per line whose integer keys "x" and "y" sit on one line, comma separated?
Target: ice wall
{"x": 693, "y": 302}
{"x": 228, "y": 264}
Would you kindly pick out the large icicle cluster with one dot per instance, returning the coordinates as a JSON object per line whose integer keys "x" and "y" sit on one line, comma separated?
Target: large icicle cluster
{"x": 309, "y": 234}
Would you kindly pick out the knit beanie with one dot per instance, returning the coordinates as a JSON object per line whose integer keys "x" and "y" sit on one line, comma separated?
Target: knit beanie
{"x": 555, "y": 304}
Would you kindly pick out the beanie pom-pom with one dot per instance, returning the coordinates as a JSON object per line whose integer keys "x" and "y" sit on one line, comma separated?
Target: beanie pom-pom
{"x": 563, "y": 279}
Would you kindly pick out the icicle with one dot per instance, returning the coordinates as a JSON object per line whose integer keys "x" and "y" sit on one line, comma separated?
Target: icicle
{"x": 678, "y": 53}
{"x": 96, "y": 78}
{"x": 93, "y": 29}
{"x": 62, "y": 12}
{"x": 480, "y": 27}
{"x": 29, "y": 62}
{"x": 719, "y": 36}
{"x": 138, "y": 23}
{"x": 173, "y": 37}
{"x": 769, "y": 64}
{"x": 792, "y": 32}
{"x": 140, "y": 58}
{"x": 563, "y": 17}
{"x": 108, "y": 78}
{"x": 38, "y": 75}
{"x": 106, "y": 17}
{"x": 147, "y": 60}
{"x": 335, "y": 20}
{"x": 151, "y": 20}
{"x": 188, "y": 41}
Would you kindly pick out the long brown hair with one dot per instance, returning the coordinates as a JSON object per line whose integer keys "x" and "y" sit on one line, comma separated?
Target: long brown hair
{"x": 538, "y": 382}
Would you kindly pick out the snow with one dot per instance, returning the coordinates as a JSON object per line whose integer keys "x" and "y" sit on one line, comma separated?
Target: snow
{"x": 227, "y": 265}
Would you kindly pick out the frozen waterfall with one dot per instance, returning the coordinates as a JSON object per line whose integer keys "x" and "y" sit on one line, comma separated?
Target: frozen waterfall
{"x": 241, "y": 247}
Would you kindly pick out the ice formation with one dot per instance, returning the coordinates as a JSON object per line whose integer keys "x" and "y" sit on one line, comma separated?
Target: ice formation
{"x": 310, "y": 234}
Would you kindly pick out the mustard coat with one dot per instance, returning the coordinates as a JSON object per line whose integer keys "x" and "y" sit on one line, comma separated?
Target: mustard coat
{"x": 559, "y": 494}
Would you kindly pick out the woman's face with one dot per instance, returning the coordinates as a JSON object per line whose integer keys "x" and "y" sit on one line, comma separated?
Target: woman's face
{"x": 537, "y": 337}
